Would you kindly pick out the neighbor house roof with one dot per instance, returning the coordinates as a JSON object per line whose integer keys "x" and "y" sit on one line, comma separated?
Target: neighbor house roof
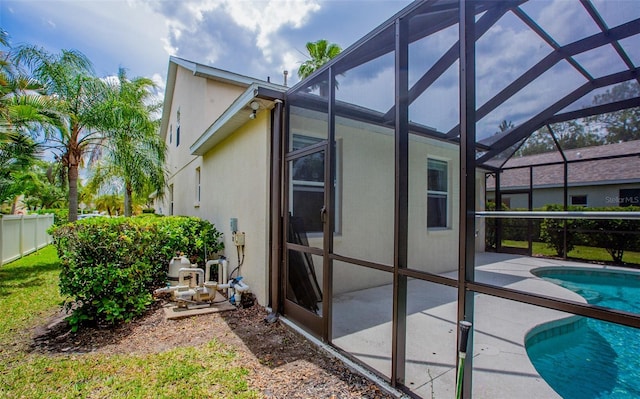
{"x": 258, "y": 87}
{"x": 607, "y": 164}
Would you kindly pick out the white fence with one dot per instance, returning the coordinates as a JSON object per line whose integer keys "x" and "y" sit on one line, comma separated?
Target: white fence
{"x": 22, "y": 234}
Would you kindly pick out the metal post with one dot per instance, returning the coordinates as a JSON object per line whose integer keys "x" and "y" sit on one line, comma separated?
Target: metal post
{"x": 498, "y": 222}
{"x": 277, "y": 132}
{"x": 530, "y": 208}
{"x": 401, "y": 201}
{"x": 329, "y": 192}
{"x": 466, "y": 258}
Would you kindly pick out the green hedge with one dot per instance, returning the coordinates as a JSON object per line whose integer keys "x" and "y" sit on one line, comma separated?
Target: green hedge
{"x": 110, "y": 266}
{"x": 614, "y": 235}
{"x": 60, "y": 216}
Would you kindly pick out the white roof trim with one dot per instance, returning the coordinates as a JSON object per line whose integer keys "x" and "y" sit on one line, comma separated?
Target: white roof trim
{"x": 207, "y": 72}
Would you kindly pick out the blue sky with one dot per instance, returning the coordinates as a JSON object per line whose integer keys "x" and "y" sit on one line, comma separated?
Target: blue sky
{"x": 260, "y": 38}
{"x": 254, "y": 38}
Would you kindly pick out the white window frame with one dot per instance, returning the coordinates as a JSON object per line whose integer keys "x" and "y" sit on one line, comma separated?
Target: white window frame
{"x": 440, "y": 194}
{"x": 171, "y": 210}
{"x": 198, "y": 177}
{"x": 178, "y": 127}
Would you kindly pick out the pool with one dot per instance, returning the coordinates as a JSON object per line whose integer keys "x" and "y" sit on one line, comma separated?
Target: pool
{"x": 587, "y": 358}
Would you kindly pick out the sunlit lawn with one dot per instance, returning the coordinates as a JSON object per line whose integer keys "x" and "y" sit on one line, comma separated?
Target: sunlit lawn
{"x": 29, "y": 294}
{"x": 578, "y": 253}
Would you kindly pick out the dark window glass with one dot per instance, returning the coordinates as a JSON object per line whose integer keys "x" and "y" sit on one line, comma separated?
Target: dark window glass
{"x": 437, "y": 193}
{"x": 579, "y": 200}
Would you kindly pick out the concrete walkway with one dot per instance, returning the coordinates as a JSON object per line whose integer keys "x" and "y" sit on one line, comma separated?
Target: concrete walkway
{"x": 362, "y": 327}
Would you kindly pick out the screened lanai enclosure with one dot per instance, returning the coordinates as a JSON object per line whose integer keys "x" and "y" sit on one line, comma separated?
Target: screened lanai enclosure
{"x": 385, "y": 160}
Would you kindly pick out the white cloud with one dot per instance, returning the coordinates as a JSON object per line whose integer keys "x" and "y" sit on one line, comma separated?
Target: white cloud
{"x": 234, "y": 31}
{"x": 266, "y": 18}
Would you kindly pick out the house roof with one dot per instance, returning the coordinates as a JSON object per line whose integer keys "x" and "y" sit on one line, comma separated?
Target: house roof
{"x": 211, "y": 73}
{"x": 607, "y": 164}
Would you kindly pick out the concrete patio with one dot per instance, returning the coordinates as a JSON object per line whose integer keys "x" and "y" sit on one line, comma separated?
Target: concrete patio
{"x": 362, "y": 327}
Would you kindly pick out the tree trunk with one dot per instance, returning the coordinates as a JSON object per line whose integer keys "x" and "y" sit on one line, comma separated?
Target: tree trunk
{"x": 73, "y": 192}
{"x": 128, "y": 206}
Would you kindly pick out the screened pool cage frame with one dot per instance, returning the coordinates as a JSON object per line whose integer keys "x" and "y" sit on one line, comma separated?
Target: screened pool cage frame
{"x": 419, "y": 20}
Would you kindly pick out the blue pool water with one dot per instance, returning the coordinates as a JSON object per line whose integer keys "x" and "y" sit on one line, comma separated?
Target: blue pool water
{"x": 584, "y": 358}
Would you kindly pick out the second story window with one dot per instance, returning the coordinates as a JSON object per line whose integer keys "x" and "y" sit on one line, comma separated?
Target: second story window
{"x": 178, "y": 128}
{"x": 197, "y": 186}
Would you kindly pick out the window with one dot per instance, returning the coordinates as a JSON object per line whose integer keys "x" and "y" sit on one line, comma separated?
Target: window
{"x": 628, "y": 197}
{"x": 437, "y": 194}
{"x": 579, "y": 200}
{"x": 307, "y": 185}
{"x": 197, "y": 185}
{"x": 178, "y": 128}
{"x": 170, "y": 133}
{"x": 307, "y": 175}
{"x": 171, "y": 199}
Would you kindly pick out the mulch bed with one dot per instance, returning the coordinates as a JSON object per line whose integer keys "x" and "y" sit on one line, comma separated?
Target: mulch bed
{"x": 282, "y": 363}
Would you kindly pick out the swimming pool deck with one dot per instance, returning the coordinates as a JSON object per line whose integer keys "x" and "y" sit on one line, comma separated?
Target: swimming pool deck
{"x": 362, "y": 327}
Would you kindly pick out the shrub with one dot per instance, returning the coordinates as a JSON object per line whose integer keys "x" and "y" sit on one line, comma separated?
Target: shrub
{"x": 60, "y": 216}
{"x": 110, "y": 266}
{"x": 552, "y": 230}
{"x": 615, "y": 235}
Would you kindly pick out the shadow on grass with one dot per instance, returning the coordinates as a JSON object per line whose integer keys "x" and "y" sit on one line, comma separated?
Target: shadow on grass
{"x": 18, "y": 277}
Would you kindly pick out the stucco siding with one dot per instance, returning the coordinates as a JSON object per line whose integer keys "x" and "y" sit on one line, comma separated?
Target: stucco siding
{"x": 365, "y": 185}
{"x": 200, "y": 102}
{"x": 235, "y": 184}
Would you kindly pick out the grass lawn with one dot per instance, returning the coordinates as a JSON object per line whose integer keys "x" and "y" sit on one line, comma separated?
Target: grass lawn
{"x": 29, "y": 293}
{"x": 579, "y": 252}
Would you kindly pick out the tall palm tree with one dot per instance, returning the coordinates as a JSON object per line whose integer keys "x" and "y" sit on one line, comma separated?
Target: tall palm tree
{"x": 67, "y": 78}
{"x": 134, "y": 152}
{"x": 20, "y": 108}
{"x": 320, "y": 52}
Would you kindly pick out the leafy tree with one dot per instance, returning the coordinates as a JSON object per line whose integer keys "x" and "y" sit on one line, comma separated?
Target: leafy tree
{"x": 320, "y": 52}
{"x": 43, "y": 189}
{"x": 67, "y": 79}
{"x": 621, "y": 125}
{"x": 570, "y": 135}
{"x": 134, "y": 151}
{"x": 20, "y": 108}
{"x": 16, "y": 154}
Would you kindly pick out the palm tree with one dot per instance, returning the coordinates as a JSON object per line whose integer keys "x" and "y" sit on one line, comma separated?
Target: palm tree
{"x": 67, "y": 79}
{"x": 110, "y": 203}
{"x": 134, "y": 152}
{"x": 320, "y": 52}
{"x": 17, "y": 153}
{"x": 19, "y": 109}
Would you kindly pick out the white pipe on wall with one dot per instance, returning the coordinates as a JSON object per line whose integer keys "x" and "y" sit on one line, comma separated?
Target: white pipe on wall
{"x": 222, "y": 275}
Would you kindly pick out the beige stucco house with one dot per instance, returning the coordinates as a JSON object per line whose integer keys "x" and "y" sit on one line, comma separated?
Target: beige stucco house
{"x": 221, "y": 168}
{"x": 219, "y": 158}
{"x": 358, "y": 189}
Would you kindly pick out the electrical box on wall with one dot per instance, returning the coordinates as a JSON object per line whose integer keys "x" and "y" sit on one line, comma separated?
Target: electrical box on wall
{"x": 234, "y": 224}
{"x": 238, "y": 238}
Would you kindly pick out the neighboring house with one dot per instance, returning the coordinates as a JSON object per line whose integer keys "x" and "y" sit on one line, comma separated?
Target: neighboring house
{"x": 607, "y": 175}
{"x": 220, "y": 163}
